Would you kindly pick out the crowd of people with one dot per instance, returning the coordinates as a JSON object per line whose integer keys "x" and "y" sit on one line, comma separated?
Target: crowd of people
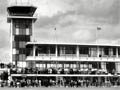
{"x": 58, "y": 71}
{"x": 61, "y": 82}
{"x": 58, "y": 81}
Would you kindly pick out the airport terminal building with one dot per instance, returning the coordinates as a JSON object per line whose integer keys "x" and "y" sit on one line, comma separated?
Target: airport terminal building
{"x": 64, "y": 59}
{"x": 72, "y": 55}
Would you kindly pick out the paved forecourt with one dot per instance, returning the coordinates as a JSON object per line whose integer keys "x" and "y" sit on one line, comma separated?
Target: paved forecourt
{"x": 62, "y": 88}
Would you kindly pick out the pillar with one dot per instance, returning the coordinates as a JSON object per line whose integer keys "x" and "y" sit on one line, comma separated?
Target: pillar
{"x": 111, "y": 51}
{"x": 92, "y": 52}
{"x": 77, "y": 65}
{"x": 56, "y": 50}
{"x": 89, "y": 51}
{"x": 11, "y": 41}
{"x": 61, "y": 52}
{"x": 103, "y": 65}
{"x": 46, "y": 65}
{"x": 117, "y": 64}
{"x": 77, "y": 51}
{"x": 102, "y": 52}
{"x": 33, "y": 63}
{"x": 34, "y": 50}
{"x": 117, "y": 52}
{"x": 98, "y": 51}
{"x": 63, "y": 65}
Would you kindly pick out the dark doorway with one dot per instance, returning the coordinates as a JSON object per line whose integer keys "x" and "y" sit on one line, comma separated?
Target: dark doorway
{"x": 110, "y": 66}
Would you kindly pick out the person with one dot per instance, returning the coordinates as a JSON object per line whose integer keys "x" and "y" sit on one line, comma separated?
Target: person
{"x": 36, "y": 83}
{"x": 0, "y": 82}
{"x": 39, "y": 83}
{"x": 9, "y": 83}
{"x": 18, "y": 84}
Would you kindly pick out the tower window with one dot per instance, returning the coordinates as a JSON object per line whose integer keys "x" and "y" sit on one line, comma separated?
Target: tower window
{"x": 17, "y": 31}
{"x": 27, "y": 31}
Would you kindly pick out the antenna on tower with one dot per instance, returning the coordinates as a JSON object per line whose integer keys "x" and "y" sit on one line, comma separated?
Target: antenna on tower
{"x": 28, "y": 2}
{"x": 16, "y": 2}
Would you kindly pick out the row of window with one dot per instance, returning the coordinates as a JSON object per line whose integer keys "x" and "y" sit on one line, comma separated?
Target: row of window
{"x": 72, "y": 50}
{"x": 22, "y": 31}
{"x": 20, "y": 44}
{"x": 22, "y": 27}
{"x": 19, "y": 51}
{"x": 18, "y": 38}
{"x": 18, "y": 57}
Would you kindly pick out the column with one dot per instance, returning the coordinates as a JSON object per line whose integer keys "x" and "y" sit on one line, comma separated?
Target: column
{"x": 111, "y": 52}
{"x": 103, "y": 65}
{"x": 89, "y": 51}
{"x": 117, "y": 64}
{"x": 33, "y": 38}
{"x": 11, "y": 41}
{"x": 46, "y": 65}
{"x": 102, "y": 52}
{"x": 77, "y": 65}
{"x": 63, "y": 65}
{"x": 34, "y": 50}
{"x": 77, "y": 51}
{"x": 119, "y": 67}
{"x": 117, "y": 52}
{"x": 61, "y": 52}
{"x": 98, "y": 51}
{"x": 56, "y": 51}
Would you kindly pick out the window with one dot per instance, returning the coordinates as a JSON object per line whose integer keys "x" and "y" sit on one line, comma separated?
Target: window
{"x": 106, "y": 51}
{"x": 27, "y": 31}
{"x": 17, "y": 31}
{"x": 70, "y": 50}
{"x": 52, "y": 49}
{"x": 93, "y": 51}
{"x": 14, "y": 51}
{"x": 118, "y": 51}
{"x": 46, "y": 50}
{"x": 114, "y": 51}
{"x": 21, "y": 44}
{"x": 24, "y": 26}
{"x": 84, "y": 50}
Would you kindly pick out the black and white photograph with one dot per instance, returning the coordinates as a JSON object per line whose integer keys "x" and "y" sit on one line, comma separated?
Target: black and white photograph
{"x": 59, "y": 44}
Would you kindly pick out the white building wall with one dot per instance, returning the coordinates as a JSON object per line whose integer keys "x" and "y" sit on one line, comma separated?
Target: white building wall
{"x": 118, "y": 67}
{"x": 103, "y": 65}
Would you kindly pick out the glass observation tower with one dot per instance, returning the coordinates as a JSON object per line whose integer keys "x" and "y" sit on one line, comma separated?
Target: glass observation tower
{"x": 21, "y": 19}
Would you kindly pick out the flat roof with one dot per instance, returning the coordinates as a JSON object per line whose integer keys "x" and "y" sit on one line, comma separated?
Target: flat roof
{"x": 29, "y": 10}
{"x": 21, "y": 17}
{"x": 60, "y": 43}
{"x": 21, "y": 5}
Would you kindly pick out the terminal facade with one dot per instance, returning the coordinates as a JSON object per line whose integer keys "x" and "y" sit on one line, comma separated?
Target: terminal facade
{"x": 67, "y": 60}
{"x": 71, "y": 55}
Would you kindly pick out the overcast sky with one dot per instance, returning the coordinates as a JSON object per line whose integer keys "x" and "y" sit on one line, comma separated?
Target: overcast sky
{"x": 75, "y": 21}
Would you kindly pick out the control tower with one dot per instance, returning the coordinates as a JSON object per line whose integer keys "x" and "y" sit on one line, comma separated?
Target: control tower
{"x": 21, "y": 19}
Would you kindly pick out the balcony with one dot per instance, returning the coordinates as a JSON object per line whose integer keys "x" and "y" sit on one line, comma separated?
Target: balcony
{"x": 46, "y": 57}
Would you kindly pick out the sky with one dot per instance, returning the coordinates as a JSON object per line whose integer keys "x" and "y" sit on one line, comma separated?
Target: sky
{"x": 76, "y": 21}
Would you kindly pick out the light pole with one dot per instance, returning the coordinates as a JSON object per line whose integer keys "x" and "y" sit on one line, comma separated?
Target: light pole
{"x": 98, "y": 28}
{"x": 55, "y": 35}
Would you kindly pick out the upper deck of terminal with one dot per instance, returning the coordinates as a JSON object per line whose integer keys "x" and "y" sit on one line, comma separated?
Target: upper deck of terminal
{"x": 71, "y": 44}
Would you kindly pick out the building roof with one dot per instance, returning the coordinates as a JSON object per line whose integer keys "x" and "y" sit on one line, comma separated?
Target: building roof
{"x": 61, "y": 43}
{"x": 9, "y": 18}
